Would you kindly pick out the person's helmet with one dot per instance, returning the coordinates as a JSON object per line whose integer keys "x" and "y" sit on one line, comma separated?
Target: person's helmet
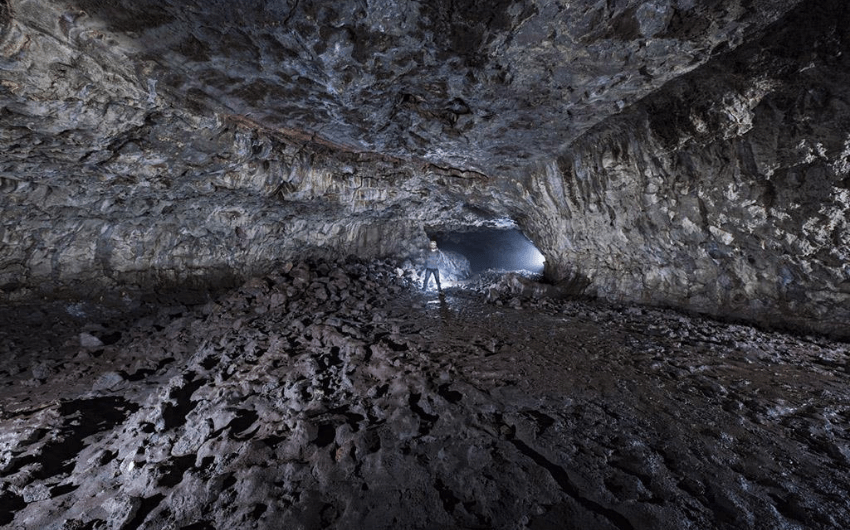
{"x": 433, "y": 245}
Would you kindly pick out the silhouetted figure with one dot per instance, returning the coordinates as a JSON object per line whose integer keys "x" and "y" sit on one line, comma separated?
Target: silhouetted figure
{"x": 432, "y": 266}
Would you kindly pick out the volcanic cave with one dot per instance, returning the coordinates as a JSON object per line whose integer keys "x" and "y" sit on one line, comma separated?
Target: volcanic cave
{"x": 215, "y": 215}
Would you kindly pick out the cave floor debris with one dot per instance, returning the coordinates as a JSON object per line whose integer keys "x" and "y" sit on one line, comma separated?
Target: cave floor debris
{"x": 339, "y": 396}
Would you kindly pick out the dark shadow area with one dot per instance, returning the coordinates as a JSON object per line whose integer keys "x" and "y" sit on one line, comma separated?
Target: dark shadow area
{"x": 490, "y": 248}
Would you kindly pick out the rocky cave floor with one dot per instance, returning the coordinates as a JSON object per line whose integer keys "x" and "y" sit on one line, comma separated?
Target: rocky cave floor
{"x": 335, "y": 395}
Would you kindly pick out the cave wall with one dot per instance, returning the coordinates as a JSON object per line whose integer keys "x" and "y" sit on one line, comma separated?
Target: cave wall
{"x": 203, "y": 201}
{"x": 670, "y": 152}
{"x": 727, "y": 192}
{"x": 117, "y": 171}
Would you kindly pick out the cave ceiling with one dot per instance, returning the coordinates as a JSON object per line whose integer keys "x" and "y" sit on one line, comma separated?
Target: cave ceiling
{"x": 479, "y": 86}
{"x": 669, "y": 152}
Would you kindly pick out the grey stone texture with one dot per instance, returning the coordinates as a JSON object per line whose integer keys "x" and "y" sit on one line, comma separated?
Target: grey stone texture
{"x": 337, "y": 395}
{"x": 677, "y": 153}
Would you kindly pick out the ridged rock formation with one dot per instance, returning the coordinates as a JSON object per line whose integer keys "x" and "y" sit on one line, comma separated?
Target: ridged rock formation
{"x": 727, "y": 192}
{"x": 677, "y": 153}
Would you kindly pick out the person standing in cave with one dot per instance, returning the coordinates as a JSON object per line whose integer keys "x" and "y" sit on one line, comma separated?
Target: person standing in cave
{"x": 432, "y": 266}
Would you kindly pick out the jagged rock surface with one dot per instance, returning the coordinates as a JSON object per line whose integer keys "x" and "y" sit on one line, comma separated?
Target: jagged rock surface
{"x": 332, "y": 395}
{"x": 670, "y": 152}
{"x": 467, "y": 84}
{"x": 726, "y": 193}
{"x": 677, "y": 153}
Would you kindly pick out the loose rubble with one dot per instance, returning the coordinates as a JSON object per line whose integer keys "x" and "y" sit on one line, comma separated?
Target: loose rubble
{"x": 337, "y": 395}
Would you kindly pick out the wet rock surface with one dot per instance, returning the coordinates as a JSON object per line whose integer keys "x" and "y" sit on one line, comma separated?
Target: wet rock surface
{"x": 335, "y": 395}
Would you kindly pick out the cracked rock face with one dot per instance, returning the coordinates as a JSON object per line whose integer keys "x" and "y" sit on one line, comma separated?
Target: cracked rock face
{"x": 672, "y": 152}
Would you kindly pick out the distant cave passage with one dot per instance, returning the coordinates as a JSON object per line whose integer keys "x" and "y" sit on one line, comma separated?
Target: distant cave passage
{"x": 492, "y": 248}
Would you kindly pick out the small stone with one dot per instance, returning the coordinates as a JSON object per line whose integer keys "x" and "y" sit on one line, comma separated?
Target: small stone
{"x": 89, "y": 341}
{"x": 108, "y": 381}
{"x": 72, "y": 524}
{"x": 36, "y": 493}
{"x": 122, "y": 510}
{"x": 41, "y": 371}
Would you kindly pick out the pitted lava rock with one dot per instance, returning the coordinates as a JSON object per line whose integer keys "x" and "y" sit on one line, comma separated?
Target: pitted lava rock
{"x": 337, "y": 395}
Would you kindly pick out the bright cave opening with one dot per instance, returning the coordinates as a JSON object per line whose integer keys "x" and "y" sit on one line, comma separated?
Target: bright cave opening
{"x": 492, "y": 249}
